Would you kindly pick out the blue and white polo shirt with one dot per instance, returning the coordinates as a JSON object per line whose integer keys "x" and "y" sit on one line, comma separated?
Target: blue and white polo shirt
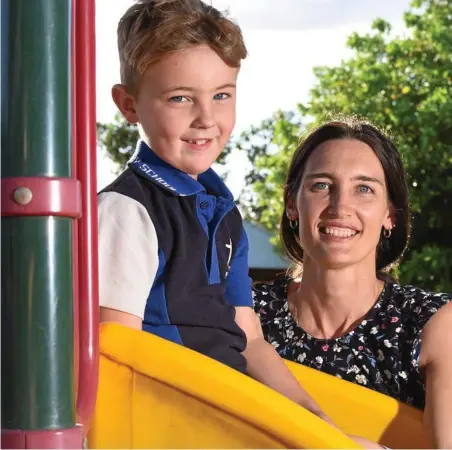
{"x": 173, "y": 251}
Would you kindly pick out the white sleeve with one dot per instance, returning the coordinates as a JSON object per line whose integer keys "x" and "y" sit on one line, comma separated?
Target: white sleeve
{"x": 128, "y": 253}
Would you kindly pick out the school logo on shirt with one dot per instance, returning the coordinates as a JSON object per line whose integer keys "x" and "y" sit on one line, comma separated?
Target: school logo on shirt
{"x": 229, "y": 247}
{"x": 153, "y": 175}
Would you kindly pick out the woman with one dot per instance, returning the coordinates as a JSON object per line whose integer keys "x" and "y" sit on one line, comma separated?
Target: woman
{"x": 346, "y": 222}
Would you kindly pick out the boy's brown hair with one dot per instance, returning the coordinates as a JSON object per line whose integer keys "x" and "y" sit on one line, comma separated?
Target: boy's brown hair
{"x": 150, "y": 29}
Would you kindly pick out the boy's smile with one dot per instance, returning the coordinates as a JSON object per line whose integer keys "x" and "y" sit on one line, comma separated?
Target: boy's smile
{"x": 198, "y": 145}
{"x": 185, "y": 107}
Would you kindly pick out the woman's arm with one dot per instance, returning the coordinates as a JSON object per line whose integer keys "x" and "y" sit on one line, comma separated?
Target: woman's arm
{"x": 436, "y": 361}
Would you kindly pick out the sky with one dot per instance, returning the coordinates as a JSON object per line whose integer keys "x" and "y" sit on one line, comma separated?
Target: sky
{"x": 286, "y": 39}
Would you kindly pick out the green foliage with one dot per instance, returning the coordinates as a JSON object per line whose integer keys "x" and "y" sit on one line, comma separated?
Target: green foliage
{"x": 118, "y": 139}
{"x": 403, "y": 85}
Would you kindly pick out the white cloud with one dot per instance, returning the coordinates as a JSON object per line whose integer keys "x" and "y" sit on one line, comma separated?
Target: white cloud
{"x": 310, "y": 14}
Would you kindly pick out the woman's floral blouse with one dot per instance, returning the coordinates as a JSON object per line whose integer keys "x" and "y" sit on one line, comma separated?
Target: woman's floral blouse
{"x": 381, "y": 353}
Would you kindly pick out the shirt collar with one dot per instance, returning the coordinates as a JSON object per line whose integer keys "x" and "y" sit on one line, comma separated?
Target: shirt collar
{"x": 149, "y": 165}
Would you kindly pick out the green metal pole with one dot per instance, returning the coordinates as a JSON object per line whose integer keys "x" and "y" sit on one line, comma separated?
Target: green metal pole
{"x": 37, "y": 293}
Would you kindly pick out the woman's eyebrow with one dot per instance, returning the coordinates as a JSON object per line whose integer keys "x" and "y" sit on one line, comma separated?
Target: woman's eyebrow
{"x": 330, "y": 176}
{"x": 310, "y": 176}
{"x": 368, "y": 179}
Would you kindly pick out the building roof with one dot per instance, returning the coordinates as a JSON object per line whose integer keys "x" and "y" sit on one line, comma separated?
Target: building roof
{"x": 262, "y": 254}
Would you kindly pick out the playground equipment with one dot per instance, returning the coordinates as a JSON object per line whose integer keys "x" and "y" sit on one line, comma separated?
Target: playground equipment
{"x": 49, "y": 235}
{"x": 151, "y": 393}
{"x": 156, "y": 394}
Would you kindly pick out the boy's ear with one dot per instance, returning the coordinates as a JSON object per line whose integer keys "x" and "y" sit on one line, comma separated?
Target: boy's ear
{"x": 125, "y": 103}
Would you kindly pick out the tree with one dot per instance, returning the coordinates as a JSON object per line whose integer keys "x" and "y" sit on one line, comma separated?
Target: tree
{"x": 403, "y": 85}
{"x": 118, "y": 139}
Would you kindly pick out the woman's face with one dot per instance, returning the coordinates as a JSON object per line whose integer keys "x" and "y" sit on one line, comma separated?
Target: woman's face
{"x": 342, "y": 204}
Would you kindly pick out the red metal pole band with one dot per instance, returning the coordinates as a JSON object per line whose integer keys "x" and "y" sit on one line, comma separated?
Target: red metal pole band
{"x": 41, "y": 196}
{"x": 85, "y": 79}
{"x": 50, "y": 439}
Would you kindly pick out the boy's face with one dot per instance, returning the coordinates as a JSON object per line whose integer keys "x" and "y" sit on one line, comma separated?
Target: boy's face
{"x": 185, "y": 108}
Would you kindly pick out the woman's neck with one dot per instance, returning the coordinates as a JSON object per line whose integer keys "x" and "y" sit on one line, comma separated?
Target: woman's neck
{"x": 330, "y": 303}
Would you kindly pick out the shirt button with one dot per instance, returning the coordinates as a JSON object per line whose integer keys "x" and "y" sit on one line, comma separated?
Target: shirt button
{"x": 204, "y": 205}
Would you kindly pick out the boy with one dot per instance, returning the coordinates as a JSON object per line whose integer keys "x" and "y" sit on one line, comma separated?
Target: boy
{"x": 173, "y": 252}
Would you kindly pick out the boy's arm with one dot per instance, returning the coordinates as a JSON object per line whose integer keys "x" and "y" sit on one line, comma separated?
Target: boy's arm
{"x": 113, "y": 315}
{"x": 265, "y": 365}
{"x": 128, "y": 259}
{"x": 263, "y": 362}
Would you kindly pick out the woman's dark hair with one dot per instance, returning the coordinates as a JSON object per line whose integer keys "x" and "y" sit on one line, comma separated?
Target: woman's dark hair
{"x": 389, "y": 250}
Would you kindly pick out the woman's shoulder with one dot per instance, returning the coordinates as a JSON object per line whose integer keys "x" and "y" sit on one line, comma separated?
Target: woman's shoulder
{"x": 270, "y": 295}
{"x": 418, "y": 304}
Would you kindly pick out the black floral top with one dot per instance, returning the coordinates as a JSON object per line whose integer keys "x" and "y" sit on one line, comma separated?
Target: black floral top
{"x": 381, "y": 353}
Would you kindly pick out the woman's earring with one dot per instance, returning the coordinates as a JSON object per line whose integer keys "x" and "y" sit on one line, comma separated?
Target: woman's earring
{"x": 387, "y": 233}
{"x": 293, "y": 224}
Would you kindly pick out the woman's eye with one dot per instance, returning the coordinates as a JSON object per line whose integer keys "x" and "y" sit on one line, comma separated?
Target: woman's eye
{"x": 178, "y": 99}
{"x": 364, "y": 189}
{"x": 321, "y": 186}
{"x": 221, "y": 96}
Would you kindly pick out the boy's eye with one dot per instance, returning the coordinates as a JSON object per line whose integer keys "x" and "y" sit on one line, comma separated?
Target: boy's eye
{"x": 221, "y": 96}
{"x": 178, "y": 99}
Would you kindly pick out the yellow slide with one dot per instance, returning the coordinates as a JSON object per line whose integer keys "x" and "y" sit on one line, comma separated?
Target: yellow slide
{"x": 156, "y": 394}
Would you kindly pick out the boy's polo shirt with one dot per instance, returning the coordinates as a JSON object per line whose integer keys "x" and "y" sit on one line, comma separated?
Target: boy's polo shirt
{"x": 173, "y": 252}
